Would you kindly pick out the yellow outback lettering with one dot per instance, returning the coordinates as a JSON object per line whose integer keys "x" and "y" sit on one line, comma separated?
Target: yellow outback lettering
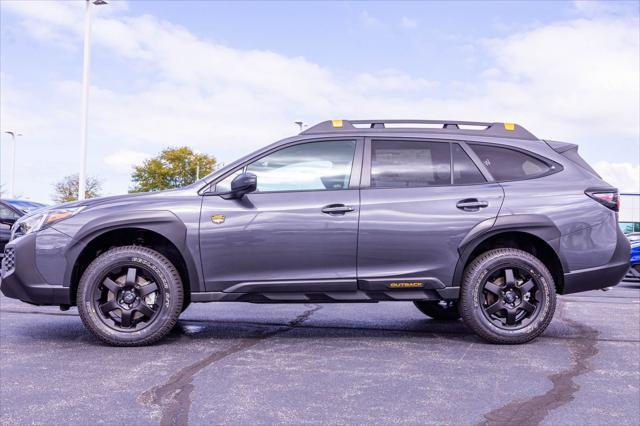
{"x": 414, "y": 284}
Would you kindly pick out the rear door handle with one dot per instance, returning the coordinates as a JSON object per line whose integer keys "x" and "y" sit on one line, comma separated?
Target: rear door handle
{"x": 471, "y": 204}
{"x": 335, "y": 209}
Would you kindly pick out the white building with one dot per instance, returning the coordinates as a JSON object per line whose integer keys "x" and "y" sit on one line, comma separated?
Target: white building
{"x": 629, "y": 216}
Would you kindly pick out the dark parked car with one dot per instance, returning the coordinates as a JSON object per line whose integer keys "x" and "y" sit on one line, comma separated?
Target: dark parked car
{"x": 10, "y": 211}
{"x": 482, "y": 220}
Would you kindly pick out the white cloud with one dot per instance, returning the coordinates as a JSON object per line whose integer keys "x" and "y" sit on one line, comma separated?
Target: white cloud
{"x": 593, "y": 8}
{"x": 624, "y": 176}
{"x": 369, "y": 21}
{"x": 408, "y": 23}
{"x": 123, "y": 160}
{"x": 574, "y": 80}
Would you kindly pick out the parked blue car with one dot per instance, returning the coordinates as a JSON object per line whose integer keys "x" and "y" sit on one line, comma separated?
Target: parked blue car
{"x": 634, "y": 270}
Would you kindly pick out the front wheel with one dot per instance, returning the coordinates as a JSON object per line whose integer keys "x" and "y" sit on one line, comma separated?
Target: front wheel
{"x": 507, "y": 296}
{"x": 130, "y": 296}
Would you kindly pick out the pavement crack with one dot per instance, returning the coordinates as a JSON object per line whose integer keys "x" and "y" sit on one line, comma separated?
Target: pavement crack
{"x": 533, "y": 410}
{"x": 173, "y": 398}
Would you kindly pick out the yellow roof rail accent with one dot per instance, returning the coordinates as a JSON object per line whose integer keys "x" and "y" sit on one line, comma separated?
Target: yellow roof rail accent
{"x": 509, "y": 126}
{"x": 336, "y": 123}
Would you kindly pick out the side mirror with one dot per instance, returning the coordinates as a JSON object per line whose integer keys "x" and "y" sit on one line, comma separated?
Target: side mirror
{"x": 8, "y": 220}
{"x": 241, "y": 185}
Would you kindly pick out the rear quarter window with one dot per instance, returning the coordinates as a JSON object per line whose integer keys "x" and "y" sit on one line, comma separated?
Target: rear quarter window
{"x": 509, "y": 164}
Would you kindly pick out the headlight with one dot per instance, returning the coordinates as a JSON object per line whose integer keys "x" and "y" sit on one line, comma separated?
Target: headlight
{"x": 35, "y": 222}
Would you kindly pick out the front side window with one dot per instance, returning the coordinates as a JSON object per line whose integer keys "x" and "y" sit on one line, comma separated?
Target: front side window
{"x": 409, "y": 164}
{"x": 306, "y": 167}
{"x": 509, "y": 164}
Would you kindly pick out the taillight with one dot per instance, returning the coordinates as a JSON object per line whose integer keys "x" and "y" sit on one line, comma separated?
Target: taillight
{"x": 608, "y": 198}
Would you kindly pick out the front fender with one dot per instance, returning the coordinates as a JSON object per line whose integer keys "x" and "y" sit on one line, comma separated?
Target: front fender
{"x": 162, "y": 222}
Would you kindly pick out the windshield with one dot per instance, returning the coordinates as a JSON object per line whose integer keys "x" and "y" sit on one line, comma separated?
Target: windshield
{"x": 25, "y": 206}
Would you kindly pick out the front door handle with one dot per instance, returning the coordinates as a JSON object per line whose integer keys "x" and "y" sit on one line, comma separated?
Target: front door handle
{"x": 471, "y": 204}
{"x": 335, "y": 209}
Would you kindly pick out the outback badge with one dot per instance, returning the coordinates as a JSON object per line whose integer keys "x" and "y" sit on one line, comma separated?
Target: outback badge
{"x": 218, "y": 219}
{"x": 414, "y": 284}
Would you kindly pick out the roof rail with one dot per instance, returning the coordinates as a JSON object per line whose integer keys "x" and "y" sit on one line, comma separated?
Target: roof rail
{"x": 502, "y": 130}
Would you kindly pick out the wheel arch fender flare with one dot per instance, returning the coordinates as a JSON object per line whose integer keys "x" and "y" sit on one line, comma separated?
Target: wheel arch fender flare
{"x": 535, "y": 225}
{"x": 161, "y": 222}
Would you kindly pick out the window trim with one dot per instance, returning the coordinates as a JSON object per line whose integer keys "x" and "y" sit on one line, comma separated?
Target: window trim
{"x": 553, "y": 167}
{"x": 354, "y": 179}
{"x": 365, "y": 182}
{"x": 484, "y": 172}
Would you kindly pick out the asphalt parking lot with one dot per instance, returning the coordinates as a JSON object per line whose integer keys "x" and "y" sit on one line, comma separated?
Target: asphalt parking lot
{"x": 379, "y": 363}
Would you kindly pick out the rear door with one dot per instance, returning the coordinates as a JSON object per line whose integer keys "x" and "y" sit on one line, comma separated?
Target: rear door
{"x": 419, "y": 199}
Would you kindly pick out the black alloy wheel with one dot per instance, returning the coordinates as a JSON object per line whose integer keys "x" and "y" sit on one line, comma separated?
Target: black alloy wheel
{"x": 128, "y": 298}
{"x": 511, "y": 297}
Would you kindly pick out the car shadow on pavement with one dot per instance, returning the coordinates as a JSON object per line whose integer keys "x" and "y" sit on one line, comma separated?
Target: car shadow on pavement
{"x": 68, "y": 328}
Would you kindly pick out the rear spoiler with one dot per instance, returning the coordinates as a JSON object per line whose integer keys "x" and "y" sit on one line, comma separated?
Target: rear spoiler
{"x": 570, "y": 151}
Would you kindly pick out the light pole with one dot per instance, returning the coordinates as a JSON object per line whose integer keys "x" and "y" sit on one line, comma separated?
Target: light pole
{"x": 12, "y": 182}
{"x": 82, "y": 176}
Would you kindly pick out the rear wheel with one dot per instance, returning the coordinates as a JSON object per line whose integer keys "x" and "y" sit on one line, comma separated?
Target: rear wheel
{"x": 446, "y": 310}
{"x": 507, "y": 296}
{"x": 130, "y": 296}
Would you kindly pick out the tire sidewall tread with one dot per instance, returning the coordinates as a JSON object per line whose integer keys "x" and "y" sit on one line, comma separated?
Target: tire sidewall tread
{"x": 172, "y": 301}
{"x": 475, "y": 275}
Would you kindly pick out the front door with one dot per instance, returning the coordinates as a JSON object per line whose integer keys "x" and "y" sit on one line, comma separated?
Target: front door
{"x": 296, "y": 233}
{"x": 419, "y": 199}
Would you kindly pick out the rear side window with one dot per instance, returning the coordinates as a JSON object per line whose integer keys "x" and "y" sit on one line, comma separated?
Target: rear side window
{"x": 409, "y": 164}
{"x": 465, "y": 171}
{"x": 509, "y": 164}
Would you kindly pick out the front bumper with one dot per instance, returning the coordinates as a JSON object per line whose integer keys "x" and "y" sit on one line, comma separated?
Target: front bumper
{"x": 603, "y": 276}
{"x": 20, "y": 278}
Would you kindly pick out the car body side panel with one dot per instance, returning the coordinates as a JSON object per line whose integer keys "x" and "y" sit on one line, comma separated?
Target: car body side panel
{"x": 592, "y": 246}
{"x": 538, "y": 226}
{"x": 173, "y": 214}
{"x": 580, "y": 220}
{"x": 415, "y": 232}
{"x": 281, "y": 236}
{"x": 50, "y": 248}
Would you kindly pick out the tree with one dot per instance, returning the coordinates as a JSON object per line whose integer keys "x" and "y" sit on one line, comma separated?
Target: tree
{"x": 67, "y": 189}
{"x": 172, "y": 168}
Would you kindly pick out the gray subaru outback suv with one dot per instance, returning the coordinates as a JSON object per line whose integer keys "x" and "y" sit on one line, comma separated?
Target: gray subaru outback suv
{"x": 479, "y": 220}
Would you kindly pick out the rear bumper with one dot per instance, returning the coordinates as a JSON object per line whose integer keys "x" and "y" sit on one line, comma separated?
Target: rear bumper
{"x": 594, "y": 278}
{"x": 20, "y": 278}
{"x": 603, "y": 276}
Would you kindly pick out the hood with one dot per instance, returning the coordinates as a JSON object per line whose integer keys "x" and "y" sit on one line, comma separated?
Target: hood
{"x": 127, "y": 198}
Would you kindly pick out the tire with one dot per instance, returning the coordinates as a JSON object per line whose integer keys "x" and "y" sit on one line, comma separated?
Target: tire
{"x": 503, "y": 307}
{"x": 439, "y": 309}
{"x": 130, "y": 296}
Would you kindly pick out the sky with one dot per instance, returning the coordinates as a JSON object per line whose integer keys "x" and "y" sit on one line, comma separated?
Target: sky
{"x": 226, "y": 78}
